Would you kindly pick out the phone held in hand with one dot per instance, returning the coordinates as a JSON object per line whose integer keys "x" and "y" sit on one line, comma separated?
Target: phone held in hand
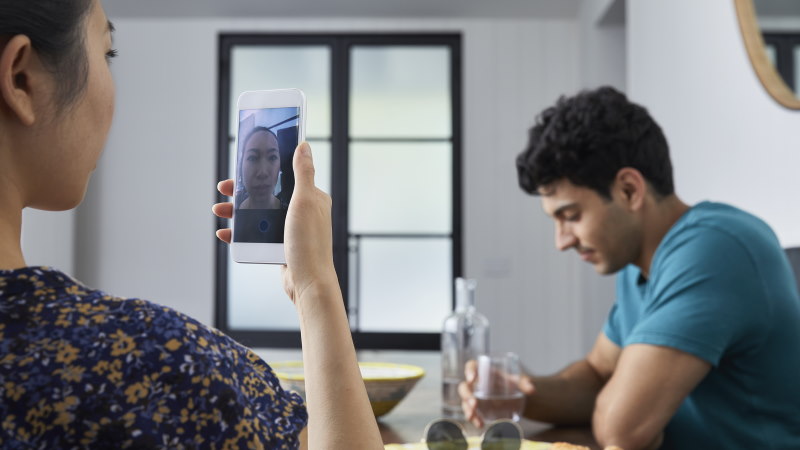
{"x": 270, "y": 125}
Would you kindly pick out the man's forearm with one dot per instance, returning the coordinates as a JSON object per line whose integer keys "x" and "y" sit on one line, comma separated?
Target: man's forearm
{"x": 566, "y": 398}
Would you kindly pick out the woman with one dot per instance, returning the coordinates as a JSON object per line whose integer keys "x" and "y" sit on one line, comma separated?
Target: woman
{"x": 81, "y": 368}
{"x": 260, "y": 166}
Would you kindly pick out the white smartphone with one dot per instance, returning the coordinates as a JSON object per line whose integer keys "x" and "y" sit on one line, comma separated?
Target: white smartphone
{"x": 270, "y": 125}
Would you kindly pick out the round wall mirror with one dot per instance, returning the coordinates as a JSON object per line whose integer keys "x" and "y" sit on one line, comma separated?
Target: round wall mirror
{"x": 771, "y": 32}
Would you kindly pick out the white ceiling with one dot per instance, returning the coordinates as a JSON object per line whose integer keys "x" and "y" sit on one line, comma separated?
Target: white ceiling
{"x": 342, "y": 8}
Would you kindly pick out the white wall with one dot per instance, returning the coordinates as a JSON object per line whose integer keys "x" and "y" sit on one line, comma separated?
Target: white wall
{"x": 145, "y": 228}
{"x": 603, "y": 47}
{"x": 526, "y": 288}
{"x": 48, "y": 239}
{"x": 730, "y": 140}
{"x": 603, "y": 61}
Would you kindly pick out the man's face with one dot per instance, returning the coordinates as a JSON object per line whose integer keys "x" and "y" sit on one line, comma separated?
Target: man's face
{"x": 603, "y": 232}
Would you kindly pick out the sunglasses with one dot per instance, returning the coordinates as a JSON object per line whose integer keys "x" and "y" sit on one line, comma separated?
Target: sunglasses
{"x": 446, "y": 434}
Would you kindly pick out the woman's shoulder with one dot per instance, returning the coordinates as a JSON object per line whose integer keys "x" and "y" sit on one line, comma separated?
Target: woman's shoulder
{"x": 45, "y": 308}
{"x": 59, "y": 337}
{"x": 47, "y": 298}
{"x": 44, "y": 301}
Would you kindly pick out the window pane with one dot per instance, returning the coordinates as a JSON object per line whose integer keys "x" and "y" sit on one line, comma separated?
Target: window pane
{"x": 797, "y": 70}
{"x": 400, "y": 91}
{"x": 405, "y": 284}
{"x": 772, "y": 54}
{"x": 322, "y": 164}
{"x": 276, "y": 67}
{"x": 256, "y": 300}
{"x": 401, "y": 188}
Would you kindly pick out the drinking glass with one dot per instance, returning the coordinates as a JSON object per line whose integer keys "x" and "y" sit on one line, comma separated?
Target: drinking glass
{"x": 497, "y": 387}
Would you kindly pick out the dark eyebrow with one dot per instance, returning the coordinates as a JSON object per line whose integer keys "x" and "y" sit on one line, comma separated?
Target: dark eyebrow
{"x": 111, "y": 29}
{"x": 561, "y": 210}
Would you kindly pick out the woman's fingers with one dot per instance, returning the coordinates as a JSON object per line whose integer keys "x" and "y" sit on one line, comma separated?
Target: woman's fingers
{"x": 225, "y": 187}
{"x": 224, "y": 235}
{"x": 224, "y": 210}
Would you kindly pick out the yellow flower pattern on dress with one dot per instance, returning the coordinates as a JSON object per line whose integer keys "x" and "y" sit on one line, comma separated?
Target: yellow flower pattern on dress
{"x": 82, "y": 369}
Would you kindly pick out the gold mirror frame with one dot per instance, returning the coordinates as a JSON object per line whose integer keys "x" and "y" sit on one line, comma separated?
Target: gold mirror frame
{"x": 754, "y": 42}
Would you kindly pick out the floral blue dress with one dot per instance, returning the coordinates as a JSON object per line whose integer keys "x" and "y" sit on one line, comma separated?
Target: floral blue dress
{"x": 82, "y": 369}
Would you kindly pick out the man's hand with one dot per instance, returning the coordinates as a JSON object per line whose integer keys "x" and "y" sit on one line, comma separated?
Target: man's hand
{"x": 468, "y": 401}
{"x": 565, "y": 398}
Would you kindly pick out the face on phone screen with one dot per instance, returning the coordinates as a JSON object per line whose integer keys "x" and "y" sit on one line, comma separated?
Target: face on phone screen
{"x": 264, "y": 176}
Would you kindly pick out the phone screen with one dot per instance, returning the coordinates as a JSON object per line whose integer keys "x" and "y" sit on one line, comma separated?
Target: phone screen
{"x": 264, "y": 176}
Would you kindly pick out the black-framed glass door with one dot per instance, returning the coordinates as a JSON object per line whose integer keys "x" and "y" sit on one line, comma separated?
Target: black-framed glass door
{"x": 384, "y": 125}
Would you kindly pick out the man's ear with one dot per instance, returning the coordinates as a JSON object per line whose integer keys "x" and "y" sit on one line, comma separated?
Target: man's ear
{"x": 18, "y": 78}
{"x": 632, "y": 186}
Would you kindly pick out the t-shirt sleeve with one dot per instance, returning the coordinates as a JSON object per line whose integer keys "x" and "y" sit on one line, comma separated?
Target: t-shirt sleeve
{"x": 613, "y": 327}
{"x": 703, "y": 296}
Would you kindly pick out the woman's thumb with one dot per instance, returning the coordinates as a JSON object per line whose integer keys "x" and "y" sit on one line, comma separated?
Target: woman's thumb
{"x": 303, "y": 164}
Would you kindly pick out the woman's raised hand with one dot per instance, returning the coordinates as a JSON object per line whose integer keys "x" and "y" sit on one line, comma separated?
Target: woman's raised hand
{"x": 308, "y": 236}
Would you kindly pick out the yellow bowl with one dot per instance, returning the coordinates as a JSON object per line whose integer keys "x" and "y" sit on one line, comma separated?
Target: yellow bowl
{"x": 386, "y": 383}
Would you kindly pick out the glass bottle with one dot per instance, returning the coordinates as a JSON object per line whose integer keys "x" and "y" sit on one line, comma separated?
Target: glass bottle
{"x": 465, "y": 335}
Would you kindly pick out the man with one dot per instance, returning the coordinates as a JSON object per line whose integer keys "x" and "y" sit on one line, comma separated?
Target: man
{"x": 702, "y": 347}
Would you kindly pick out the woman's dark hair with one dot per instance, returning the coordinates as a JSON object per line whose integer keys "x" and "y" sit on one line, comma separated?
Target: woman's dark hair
{"x": 258, "y": 129}
{"x": 588, "y": 138}
{"x": 56, "y": 29}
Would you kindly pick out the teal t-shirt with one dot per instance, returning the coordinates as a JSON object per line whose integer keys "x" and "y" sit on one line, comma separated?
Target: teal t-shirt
{"x": 721, "y": 288}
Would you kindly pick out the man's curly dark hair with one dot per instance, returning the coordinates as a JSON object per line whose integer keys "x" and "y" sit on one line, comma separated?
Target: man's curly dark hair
{"x": 588, "y": 138}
